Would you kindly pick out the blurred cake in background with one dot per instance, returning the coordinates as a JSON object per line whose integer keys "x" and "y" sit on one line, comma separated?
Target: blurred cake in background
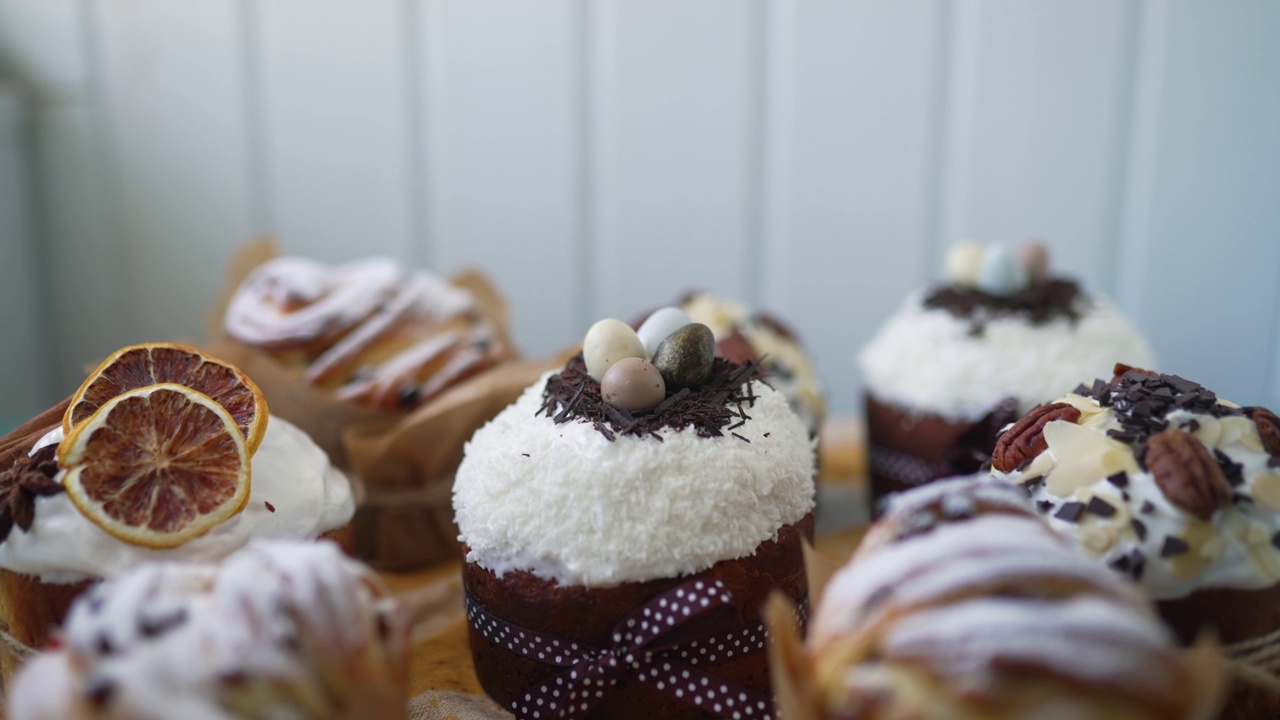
{"x": 742, "y": 335}
{"x": 371, "y": 331}
{"x": 279, "y": 629}
{"x": 959, "y": 361}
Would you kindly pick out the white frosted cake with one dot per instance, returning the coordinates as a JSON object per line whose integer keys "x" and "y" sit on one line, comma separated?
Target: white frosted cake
{"x": 959, "y": 361}
{"x": 588, "y": 502}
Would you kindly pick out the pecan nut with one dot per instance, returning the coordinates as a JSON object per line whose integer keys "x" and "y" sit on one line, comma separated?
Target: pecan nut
{"x": 1187, "y": 472}
{"x": 1268, "y": 427}
{"x": 1025, "y": 439}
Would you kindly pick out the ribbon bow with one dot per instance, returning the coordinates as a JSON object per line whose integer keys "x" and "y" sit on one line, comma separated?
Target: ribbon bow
{"x": 661, "y": 644}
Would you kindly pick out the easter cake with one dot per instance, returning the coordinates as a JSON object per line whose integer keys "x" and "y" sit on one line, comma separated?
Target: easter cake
{"x": 959, "y": 361}
{"x": 623, "y": 522}
{"x": 1157, "y": 478}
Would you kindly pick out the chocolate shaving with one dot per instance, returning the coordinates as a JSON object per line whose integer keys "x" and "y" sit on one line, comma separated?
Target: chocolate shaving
{"x": 1174, "y": 546}
{"x": 721, "y": 401}
{"x": 1147, "y": 508}
{"x": 1120, "y": 479}
{"x": 1142, "y": 400}
{"x": 1070, "y": 512}
{"x": 1139, "y": 529}
{"x": 1039, "y": 303}
{"x": 1100, "y": 507}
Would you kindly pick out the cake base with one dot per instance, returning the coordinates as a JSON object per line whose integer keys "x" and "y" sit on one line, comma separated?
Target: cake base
{"x": 1234, "y": 616}
{"x": 589, "y": 616}
{"x": 906, "y": 449}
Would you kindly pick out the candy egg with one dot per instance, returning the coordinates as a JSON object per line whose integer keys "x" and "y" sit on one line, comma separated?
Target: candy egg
{"x": 685, "y": 357}
{"x": 659, "y": 325}
{"x": 1000, "y": 274}
{"x": 1034, "y": 258}
{"x": 633, "y": 384}
{"x": 607, "y": 342}
{"x": 964, "y": 264}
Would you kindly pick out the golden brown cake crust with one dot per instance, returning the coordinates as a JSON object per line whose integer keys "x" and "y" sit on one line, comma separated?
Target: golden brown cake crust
{"x": 589, "y": 616}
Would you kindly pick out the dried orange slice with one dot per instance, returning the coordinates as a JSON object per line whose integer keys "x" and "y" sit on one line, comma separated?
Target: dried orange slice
{"x": 142, "y": 365}
{"x": 157, "y": 466}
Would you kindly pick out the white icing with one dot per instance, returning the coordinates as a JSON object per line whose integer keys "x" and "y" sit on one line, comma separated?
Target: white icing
{"x": 164, "y": 637}
{"x": 926, "y": 360}
{"x": 290, "y": 471}
{"x": 1236, "y": 545}
{"x": 563, "y": 502}
{"x": 1085, "y": 638}
{"x": 955, "y": 558}
{"x": 334, "y": 299}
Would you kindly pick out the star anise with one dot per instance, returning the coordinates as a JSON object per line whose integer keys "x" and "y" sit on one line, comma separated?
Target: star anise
{"x": 28, "y": 478}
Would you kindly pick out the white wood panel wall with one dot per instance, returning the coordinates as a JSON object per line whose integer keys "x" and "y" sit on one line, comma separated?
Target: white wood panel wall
{"x": 599, "y": 156}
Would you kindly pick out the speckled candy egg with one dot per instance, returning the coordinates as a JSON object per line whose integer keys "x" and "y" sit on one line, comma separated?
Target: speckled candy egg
{"x": 607, "y": 342}
{"x": 659, "y": 325}
{"x": 1034, "y": 258}
{"x": 633, "y": 384}
{"x": 685, "y": 357}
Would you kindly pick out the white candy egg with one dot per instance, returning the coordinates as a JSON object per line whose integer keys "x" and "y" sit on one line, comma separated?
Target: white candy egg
{"x": 607, "y": 342}
{"x": 964, "y": 263}
{"x": 1001, "y": 274}
{"x": 660, "y": 324}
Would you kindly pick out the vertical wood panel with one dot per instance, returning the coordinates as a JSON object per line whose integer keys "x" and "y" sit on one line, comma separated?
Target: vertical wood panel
{"x": 40, "y": 44}
{"x": 23, "y": 352}
{"x": 86, "y": 294}
{"x": 1205, "y": 262}
{"x": 1045, "y": 101}
{"x": 673, "y": 93}
{"x": 336, "y": 118}
{"x": 503, "y": 126}
{"x": 172, "y": 97}
{"x": 851, "y": 200}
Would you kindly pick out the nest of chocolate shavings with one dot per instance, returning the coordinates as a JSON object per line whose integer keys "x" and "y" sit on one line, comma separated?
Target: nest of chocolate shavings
{"x": 1040, "y": 303}
{"x": 20, "y": 484}
{"x": 1142, "y": 401}
{"x": 713, "y": 410}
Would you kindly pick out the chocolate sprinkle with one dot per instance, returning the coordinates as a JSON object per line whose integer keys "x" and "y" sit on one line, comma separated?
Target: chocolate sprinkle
{"x": 270, "y": 507}
{"x": 571, "y": 394}
{"x": 1139, "y": 529}
{"x": 1070, "y": 512}
{"x": 1040, "y": 303}
{"x": 1142, "y": 401}
{"x": 1173, "y": 546}
{"x": 1233, "y": 471}
{"x": 1139, "y": 564}
{"x": 1100, "y": 507}
{"x": 1120, "y": 479}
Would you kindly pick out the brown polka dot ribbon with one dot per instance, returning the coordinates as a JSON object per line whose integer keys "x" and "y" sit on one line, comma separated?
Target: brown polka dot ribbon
{"x": 665, "y": 644}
